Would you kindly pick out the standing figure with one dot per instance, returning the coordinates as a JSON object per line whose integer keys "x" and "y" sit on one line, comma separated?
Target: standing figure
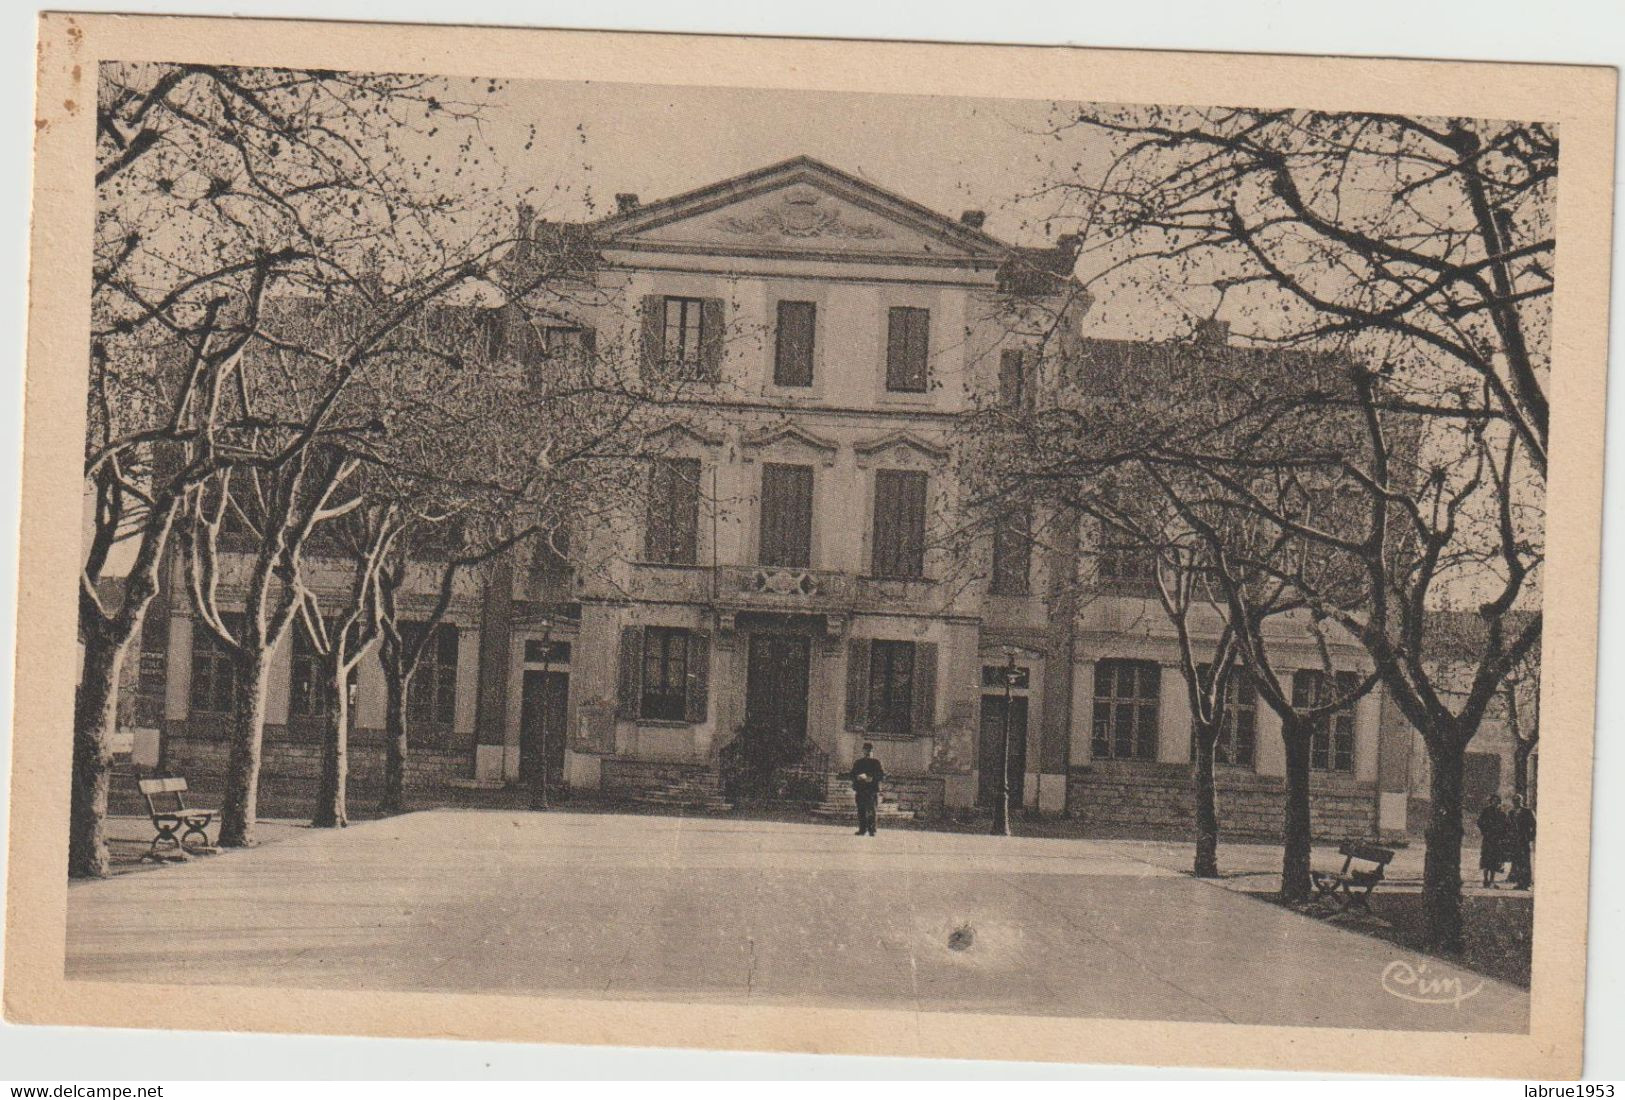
{"x": 1520, "y": 841}
{"x": 1492, "y": 829}
{"x": 866, "y": 776}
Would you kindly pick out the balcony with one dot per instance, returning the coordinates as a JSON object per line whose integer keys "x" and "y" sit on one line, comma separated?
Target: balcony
{"x": 776, "y": 588}
{"x": 783, "y": 590}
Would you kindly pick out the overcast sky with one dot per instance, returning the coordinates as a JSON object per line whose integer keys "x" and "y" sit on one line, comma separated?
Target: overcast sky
{"x": 947, "y": 153}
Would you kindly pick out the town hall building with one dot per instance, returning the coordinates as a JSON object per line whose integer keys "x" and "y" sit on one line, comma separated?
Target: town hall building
{"x": 793, "y": 587}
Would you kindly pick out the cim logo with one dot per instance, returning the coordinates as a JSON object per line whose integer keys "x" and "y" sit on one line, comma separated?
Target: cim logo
{"x": 1416, "y": 983}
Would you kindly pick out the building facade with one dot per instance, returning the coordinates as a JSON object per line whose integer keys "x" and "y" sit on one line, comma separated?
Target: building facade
{"x": 793, "y": 586}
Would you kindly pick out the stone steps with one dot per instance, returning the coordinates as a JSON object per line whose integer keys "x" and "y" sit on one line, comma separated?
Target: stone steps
{"x": 690, "y": 792}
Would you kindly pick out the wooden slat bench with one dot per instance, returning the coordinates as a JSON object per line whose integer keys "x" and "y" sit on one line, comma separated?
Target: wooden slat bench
{"x": 173, "y": 819}
{"x": 1351, "y": 886}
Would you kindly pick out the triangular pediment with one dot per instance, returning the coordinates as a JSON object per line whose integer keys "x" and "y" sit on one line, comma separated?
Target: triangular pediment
{"x": 675, "y": 436}
{"x": 801, "y": 207}
{"x": 899, "y": 445}
{"x": 792, "y": 435}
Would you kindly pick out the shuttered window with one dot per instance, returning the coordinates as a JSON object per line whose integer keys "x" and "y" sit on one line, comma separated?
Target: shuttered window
{"x": 684, "y": 331}
{"x": 891, "y": 687}
{"x": 682, "y": 337}
{"x": 787, "y": 502}
{"x": 1013, "y": 553}
{"x": 899, "y": 524}
{"x": 665, "y": 674}
{"x": 793, "y": 349}
{"x": 1126, "y": 709}
{"x": 1015, "y": 391}
{"x": 907, "y": 349}
{"x": 1331, "y": 745}
{"x": 671, "y": 535}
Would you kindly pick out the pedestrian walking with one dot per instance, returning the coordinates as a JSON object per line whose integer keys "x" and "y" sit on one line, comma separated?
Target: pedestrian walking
{"x": 1492, "y": 828}
{"x": 866, "y": 776}
{"x": 1520, "y": 843}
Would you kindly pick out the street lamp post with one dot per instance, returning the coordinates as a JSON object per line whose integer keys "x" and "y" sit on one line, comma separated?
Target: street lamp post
{"x": 1001, "y": 804}
{"x": 538, "y": 768}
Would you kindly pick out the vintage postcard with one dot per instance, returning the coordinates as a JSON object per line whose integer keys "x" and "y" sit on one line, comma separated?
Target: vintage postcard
{"x": 798, "y": 545}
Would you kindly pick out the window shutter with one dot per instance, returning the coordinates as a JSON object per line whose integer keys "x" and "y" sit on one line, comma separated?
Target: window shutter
{"x": 1014, "y": 379}
{"x": 899, "y": 523}
{"x": 857, "y": 684}
{"x": 686, "y": 520}
{"x": 654, "y": 332}
{"x": 793, "y": 350}
{"x": 896, "y": 349}
{"x": 589, "y": 346}
{"x": 699, "y": 677}
{"x": 631, "y": 684}
{"x": 925, "y": 688}
{"x": 711, "y": 325}
{"x": 786, "y": 522}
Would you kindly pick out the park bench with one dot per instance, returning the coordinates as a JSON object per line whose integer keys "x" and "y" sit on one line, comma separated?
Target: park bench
{"x": 173, "y": 819}
{"x": 1351, "y": 886}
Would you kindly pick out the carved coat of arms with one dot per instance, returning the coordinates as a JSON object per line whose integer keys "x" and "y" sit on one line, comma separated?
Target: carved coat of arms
{"x": 801, "y": 215}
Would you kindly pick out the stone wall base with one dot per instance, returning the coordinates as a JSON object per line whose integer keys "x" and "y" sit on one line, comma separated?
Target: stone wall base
{"x": 1146, "y": 794}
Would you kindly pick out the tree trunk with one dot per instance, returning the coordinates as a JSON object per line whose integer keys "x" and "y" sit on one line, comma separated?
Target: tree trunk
{"x": 1441, "y": 865}
{"x": 394, "y": 799}
{"x": 331, "y": 811}
{"x": 95, "y": 712}
{"x": 1520, "y": 769}
{"x": 241, "y": 801}
{"x": 1207, "y": 809}
{"x": 1295, "y": 858}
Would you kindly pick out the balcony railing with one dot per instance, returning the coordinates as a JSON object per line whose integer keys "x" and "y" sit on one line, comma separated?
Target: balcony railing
{"x": 777, "y": 588}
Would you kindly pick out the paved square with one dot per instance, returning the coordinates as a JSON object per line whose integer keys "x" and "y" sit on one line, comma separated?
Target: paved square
{"x": 697, "y": 909}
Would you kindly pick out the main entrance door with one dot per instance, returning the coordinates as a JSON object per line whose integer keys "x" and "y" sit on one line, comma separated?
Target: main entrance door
{"x": 772, "y": 759}
{"x": 544, "y": 697}
{"x": 989, "y": 763}
{"x": 776, "y": 688}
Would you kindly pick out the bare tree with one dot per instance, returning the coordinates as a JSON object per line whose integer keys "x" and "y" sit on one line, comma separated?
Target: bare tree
{"x": 217, "y": 188}
{"x": 1420, "y": 251}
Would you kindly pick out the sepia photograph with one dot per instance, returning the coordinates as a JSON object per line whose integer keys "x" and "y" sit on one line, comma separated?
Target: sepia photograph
{"x": 704, "y": 555}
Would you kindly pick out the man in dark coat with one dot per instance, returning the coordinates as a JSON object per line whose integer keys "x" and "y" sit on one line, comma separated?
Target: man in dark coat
{"x": 1520, "y": 835}
{"x": 866, "y": 776}
{"x": 1492, "y": 840}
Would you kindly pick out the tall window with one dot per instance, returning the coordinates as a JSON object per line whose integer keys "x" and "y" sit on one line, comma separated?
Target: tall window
{"x": 431, "y": 700}
{"x": 665, "y": 674}
{"x": 684, "y": 341}
{"x": 1014, "y": 383}
{"x": 899, "y": 527}
{"x": 1127, "y": 570}
{"x": 1331, "y": 745}
{"x": 907, "y": 349}
{"x": 793, "y": 351}
{"x": 560, "y": 342}
{"x": 1126, "y": 713}
{"x": 214, "y": 682}
{"x": 787, "y": 503}
{"x": 310, "y": 695}
{"x": 671, "y": 535}
{"x": 1013, "y": 553}
{"x": 891, "y": 687}
{"x": 1238, "y": 725}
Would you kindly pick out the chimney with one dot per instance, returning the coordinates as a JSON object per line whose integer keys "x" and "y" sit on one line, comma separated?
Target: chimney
{"x": 973, "y": 218}
{"x": 1212, "y": 331}
{"x": 626, "y": 202}
{"x": 1069, "y": 243}
{"x": 526, "y": 218}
